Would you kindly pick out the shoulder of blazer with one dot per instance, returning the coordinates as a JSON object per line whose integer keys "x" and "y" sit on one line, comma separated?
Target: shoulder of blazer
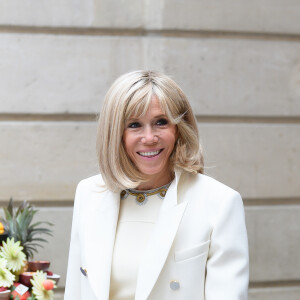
{"x": 205, "y": 182}
{"x": 200, "y": 184}
{"x": 92, "y": 183}
{"x": 88, "y": 186}
{"x": 210, "y": 195}
{"x": 95, "y": 180}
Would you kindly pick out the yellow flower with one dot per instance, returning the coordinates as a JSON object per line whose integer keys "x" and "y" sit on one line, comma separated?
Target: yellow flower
{"x": 6, "y": 277}
{"x": 37, "y": 286}
{"x": 12, "y": 253}
{"x": 2, "y": 229}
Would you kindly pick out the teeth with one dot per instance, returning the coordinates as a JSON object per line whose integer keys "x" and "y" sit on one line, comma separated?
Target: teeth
{"x": 149, "y": 153}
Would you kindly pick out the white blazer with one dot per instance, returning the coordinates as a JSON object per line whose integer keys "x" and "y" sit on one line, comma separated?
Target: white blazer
{"x": 198, "y": 249}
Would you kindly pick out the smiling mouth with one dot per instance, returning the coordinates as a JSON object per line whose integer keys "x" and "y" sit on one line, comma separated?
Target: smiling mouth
{"x": 150, "y": 153}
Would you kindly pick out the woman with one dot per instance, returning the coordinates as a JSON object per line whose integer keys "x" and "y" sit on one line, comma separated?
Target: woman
{"x": 152, "y": 226}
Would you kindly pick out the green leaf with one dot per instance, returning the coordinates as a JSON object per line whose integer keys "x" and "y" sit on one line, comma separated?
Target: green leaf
{"x": 39, "y": 231}
{"x": 20, "y": 227}
{"x": 33, "y": 245}
{"x": 35, "y": 224}
{"x": 19, "y": 210}
{"x": 29, "y": 254}
{"x": 10, "y": 207}
{"x": 39, "y": 239}
{"x": 7, "y": 214}
{"x": 32, "y": 227}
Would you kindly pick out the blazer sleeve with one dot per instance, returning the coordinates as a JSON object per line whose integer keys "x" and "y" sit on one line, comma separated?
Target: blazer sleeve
{"x": 73, "y": 289}
{"x": 227, "y": 274}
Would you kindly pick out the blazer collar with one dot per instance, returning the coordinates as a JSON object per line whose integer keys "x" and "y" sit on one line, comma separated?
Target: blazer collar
{"x": 99, "y": 236}
{"x": 160, "y": 241}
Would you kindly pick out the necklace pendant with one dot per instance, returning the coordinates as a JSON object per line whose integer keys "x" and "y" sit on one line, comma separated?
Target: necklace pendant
{"x": 162, "y": 193}
{"x": 141, "y": 198}
{"x": 124, "y": 194}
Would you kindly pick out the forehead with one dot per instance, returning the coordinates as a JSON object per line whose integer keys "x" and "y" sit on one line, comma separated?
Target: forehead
{"x": 154, "y": 106}
{"x": 154, "y": 109}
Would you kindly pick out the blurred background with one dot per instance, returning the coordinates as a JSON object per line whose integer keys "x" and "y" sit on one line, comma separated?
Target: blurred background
{"x": 238, "y": 62}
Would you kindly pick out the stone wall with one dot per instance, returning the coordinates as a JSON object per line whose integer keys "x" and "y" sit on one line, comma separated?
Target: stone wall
{"x": 239, "y": 63}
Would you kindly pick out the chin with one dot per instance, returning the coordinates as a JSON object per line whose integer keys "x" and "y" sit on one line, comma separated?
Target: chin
{"x": 151, "y": 172}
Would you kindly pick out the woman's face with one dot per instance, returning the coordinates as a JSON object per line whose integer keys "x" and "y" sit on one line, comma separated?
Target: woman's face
{"x": 149, "y": 141}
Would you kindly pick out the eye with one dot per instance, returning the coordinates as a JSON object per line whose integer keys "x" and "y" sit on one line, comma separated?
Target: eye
{"x": 134, "y": 125}
{"x": 162, "y": 122}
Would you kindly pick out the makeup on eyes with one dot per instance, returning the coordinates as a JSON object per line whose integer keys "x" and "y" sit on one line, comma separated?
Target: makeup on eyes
{"x": 136, "y": 123}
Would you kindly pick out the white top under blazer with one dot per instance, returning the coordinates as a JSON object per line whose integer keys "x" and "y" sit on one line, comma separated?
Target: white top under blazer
{"x": 197, "y": 250}
{"x": 135, "y": 226}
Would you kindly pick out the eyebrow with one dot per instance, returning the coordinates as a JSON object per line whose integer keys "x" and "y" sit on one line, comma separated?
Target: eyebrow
{"x": 155, "y": 117}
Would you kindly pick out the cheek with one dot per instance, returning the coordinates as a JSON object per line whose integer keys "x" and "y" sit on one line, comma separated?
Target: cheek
{"x": 125, "y": 141}
{"x": 128, "y": 142}
{"x": 173, "y": 144}
{"x": 172, "y": 138}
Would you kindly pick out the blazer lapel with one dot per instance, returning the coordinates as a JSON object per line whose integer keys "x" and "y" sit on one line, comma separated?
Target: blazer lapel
{"x": 160, "y": 242}
{"x": 100, "y": 230}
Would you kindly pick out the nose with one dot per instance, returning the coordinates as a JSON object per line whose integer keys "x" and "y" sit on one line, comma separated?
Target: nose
{"x": 149, "y": 136}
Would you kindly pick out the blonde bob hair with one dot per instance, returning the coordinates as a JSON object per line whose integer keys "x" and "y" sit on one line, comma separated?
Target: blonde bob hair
{"x": 130, "y": 95}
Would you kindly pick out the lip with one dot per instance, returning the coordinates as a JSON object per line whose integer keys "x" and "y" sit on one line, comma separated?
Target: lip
{"x": 150, "y": 150}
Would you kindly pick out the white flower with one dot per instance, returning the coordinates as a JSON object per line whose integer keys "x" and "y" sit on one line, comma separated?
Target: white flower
{"x": 12, "y": 253}
{"x": 37, "y": 286}
{"x": 6, "y": 277}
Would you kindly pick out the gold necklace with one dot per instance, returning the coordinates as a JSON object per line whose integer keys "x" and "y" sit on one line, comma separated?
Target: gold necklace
{"x": 141, "y": 197}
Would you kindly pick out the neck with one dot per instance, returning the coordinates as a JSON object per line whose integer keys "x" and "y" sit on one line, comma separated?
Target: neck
{"x": 154, "y": 183}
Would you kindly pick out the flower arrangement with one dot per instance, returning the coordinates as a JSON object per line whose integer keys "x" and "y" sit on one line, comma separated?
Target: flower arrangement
{"x": 18, "y": 241}
{"x": 12, "y": 252}
{"x": 42, "y": 287}
{"x": 6, "y": 277}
